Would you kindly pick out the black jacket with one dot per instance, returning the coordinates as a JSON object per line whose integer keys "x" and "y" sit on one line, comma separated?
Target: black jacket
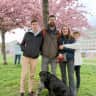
{"x": 31, "y": 44}
{"x": 68, "y": 51}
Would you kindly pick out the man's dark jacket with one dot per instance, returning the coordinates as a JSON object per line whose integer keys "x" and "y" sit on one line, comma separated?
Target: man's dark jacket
{"x": 31, "y": 44}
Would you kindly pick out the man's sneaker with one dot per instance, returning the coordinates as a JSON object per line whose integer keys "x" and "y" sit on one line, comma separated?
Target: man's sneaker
{"x": 22, "y": 94}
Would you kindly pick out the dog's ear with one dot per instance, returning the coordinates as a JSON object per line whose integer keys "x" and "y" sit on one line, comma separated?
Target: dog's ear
{"x": 43, "y": 73}
{"x": 48, "y": 75}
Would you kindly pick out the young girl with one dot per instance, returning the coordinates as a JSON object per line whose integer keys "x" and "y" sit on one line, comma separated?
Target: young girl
{"x": 77, "y": 60}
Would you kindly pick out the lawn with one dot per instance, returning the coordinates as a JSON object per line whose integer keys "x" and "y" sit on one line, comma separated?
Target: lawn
{"x": 10, "y": 77}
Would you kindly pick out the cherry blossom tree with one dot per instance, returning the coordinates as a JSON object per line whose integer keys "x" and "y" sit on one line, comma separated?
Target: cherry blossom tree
{"x": 14, "y": 13}
{"x": 66, "y": 11}
{"x": 45, "y": 7}
{"x": 69, "y": 12}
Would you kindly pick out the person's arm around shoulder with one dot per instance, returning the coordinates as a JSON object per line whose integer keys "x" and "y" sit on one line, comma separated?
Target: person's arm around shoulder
{"x": 60, "y": 44}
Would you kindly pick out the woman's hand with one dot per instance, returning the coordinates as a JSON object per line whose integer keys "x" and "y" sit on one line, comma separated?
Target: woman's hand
{"x": 60, "y": 58}
{"x": 61, "y": 47}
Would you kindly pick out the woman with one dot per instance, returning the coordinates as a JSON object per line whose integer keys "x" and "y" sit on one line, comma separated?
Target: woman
{"x": 68, "y": 62}
{"x": 77, "y": 57}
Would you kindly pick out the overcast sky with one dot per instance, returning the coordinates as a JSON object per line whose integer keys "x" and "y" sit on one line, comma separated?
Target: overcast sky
{"x": 91, "y": 8}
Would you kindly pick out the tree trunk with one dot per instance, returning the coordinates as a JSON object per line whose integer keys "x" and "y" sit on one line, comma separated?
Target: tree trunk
{"x": 3, "y": 48}
{"x": 45, "y": 6}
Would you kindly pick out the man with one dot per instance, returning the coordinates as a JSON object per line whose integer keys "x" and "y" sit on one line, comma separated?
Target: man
{"x": 18, "y": 53}
{"x": 30, "y": 46}
{"x": 50, "y": 47}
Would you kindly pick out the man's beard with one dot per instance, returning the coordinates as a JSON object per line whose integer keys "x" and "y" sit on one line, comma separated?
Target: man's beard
{"x": 52, "y": 24}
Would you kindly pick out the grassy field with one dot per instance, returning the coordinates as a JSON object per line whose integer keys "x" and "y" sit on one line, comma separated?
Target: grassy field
{"x": 10, "y": 77}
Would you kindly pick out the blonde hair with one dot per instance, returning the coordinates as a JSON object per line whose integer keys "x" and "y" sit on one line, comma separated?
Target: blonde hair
{"x": 76, "y": 32}
{"x": 69, "y": 31}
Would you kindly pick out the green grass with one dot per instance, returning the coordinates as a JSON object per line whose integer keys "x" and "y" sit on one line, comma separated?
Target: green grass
{"x": 10, "y": 78}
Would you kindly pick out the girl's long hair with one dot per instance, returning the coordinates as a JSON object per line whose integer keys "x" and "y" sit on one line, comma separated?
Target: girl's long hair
{"x": 69, "y": 31}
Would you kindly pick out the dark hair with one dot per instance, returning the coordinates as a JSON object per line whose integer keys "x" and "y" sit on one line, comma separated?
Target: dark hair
{"x": 51, "y": 16}
{"x": 33, "y": 21}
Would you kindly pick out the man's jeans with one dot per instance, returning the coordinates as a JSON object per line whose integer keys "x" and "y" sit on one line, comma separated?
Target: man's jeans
{"x": 45, "y": 67}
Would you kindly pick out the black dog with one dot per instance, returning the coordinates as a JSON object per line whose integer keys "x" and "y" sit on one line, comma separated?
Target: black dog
{"x": 55, "y": 86}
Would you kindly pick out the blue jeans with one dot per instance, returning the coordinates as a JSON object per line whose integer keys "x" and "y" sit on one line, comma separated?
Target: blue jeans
{"x": 70, "y": 66}
{"x": 45, "y": 67}
{"x": 17, "y": 59}
{"x": 45, "y": 64}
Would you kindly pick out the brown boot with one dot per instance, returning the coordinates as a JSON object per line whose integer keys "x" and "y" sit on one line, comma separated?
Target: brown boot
{"x": 22, "y": 94}
{"x": 32, "y": 94}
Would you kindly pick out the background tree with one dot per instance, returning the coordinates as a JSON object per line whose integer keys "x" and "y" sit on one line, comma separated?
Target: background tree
{"x": 69, "y": 12}
{"x": 13, "y": 13}
{"x": 16, "y": 12}
{"x": 45, "y": 6}
{"x": 5, "y": 25}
